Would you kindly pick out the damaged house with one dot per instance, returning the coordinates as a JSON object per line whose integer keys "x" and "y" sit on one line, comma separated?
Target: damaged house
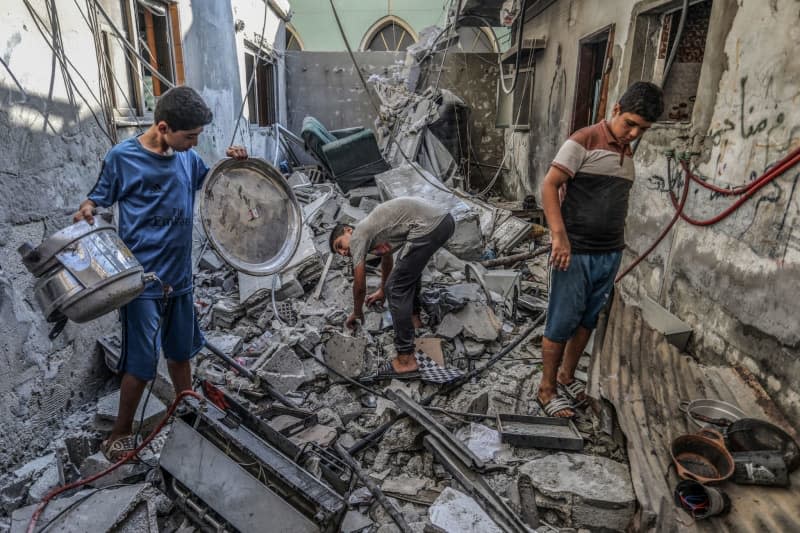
{"x": 344, "y": 106}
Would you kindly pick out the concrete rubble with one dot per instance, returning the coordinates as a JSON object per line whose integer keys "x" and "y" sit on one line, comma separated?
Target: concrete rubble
{"x": 281, "y": 331}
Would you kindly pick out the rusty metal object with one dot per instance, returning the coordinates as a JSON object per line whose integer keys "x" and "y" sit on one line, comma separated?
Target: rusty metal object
{"x": 702, "y": 457}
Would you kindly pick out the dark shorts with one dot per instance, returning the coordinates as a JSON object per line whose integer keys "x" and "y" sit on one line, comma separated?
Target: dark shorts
{"x": 179, "y": 335}
{"x": 578, "y": 294}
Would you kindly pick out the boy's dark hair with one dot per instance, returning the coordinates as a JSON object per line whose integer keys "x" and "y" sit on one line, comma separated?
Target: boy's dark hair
{"x": 337, "y": 232}
{"x": 182, "y": 109}
{"x": 644, "y": 99}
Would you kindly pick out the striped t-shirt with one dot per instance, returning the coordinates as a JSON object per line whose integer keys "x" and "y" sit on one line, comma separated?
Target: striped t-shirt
{"x": 596, "y": 201}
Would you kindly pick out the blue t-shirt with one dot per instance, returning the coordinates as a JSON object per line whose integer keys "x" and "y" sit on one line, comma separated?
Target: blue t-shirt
{"x": 155, "y": 195}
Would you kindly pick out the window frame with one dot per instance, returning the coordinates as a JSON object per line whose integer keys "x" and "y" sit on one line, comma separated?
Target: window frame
{"x": 264, "y": 88}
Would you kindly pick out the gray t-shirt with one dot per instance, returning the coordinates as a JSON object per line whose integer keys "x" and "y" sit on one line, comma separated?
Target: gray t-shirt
{"x": 395, "y": 222}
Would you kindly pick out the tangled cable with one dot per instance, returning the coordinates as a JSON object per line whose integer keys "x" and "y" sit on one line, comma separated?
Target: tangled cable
{"x": 130, "y": 455}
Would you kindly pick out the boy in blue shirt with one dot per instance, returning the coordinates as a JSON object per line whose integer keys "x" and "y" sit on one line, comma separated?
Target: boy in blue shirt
{"x": 153, "y": 179}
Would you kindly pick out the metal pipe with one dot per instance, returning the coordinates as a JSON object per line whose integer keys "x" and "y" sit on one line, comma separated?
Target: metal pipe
{"x": 377, "y": 433}
{"x": 394, "y": 513}
{"x": 249, "y": 374}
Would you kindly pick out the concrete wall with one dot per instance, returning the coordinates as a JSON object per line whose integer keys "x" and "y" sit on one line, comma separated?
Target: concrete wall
{"x": 325, "y": 85}
{"x": 473, "y": 78}
{"x": 734, "y": 282}
{"x": 52, "y": 149}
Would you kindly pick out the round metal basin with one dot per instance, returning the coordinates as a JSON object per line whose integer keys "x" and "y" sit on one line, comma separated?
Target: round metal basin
{"x": 250, "y": 215}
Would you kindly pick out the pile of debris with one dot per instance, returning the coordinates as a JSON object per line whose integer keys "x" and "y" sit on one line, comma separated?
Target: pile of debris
{"x": 280, "y": 403}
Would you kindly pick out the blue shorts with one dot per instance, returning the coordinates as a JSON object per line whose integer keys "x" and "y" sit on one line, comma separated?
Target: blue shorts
{"x": 180, "y": 335}
{"x": 578, "y": 294}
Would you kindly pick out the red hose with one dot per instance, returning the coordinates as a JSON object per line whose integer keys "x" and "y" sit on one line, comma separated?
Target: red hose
{"x": 784, "y": 165}
{"x": 742, "y": 188}
{"x": 55, "y": 492}
{"x": 745, "y": 192}
{"x": 664, "y": 232}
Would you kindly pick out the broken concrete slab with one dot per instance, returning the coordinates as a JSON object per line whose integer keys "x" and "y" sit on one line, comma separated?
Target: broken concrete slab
{"x": 350, "y": 215}
{"x": 346, "y": 354}
{"x": 475, "y": 320}
{"x": 100, "y": 511}
{"x": 249, "y": 286}
{"x": 226, "y": 343}
{"x": 368, "y": 204}
{"x": 355, "y": 522}
{"x": 588, "y": 491}
{"x": 281, "y": 368}
{"x": 319, "y": 434}
{"x": 108, "y": 407}
{"x": 404, "y": 485}
{"x": 96, "y": 463}
{"x": 455, "y": 512}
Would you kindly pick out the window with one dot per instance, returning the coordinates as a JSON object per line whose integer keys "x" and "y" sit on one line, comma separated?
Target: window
{"x": 654, "y": 36}
{"x": 152, "y": 43}
{"x": 514, "y": 109}
{"x": 473, "y": 39}
{"x": 293, "y": 41}
{"x": 389, "y": 34}
{"x": 261, "y": 98}
{"x": 594, "y": 66}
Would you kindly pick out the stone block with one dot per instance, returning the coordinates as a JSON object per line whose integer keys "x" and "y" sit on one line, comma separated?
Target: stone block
{"x": 590, "y": 491}
{"x": 211, "y": 261}
{"x": 407, "y": 486}
{"x": 97, "y": 463}
{"x": 108, "y": 406}
{"x": 227, "y": 344}
{"x": 350, "y": 215}
{"x": 281, "y": 368}
{"x": 346, "y": 354}
{"x": 319, "y": 434}
{"x": 455, "y": 512}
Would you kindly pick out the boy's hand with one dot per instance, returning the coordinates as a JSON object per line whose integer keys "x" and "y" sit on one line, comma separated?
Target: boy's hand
{"x": 236, "y": 152}
{"x": 561, "y": 251}
{"x": 376, "y": 297}
{"x": 353, "y": 319}
{"x": 85, "y": 212}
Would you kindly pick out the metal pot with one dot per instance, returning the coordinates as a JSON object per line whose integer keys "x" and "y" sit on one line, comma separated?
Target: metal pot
{"x": 702, "y": 457}
{"x": 709, "y": 411}
{"x": 84, "y": 271}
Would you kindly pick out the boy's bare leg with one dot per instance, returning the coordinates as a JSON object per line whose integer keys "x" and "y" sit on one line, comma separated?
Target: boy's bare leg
{"x": 130, "y": 393}
{"x": 572, "y": 354}
{"x": 181, "y": 374}
{"x": 552, "y": 354}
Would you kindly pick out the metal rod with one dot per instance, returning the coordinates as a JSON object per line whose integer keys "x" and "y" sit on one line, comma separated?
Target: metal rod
{"x": 394, "y": 513}
{"x": 376, "y": 434}
{"x": 511, "y": 259}
{"x": 249, "y": 374}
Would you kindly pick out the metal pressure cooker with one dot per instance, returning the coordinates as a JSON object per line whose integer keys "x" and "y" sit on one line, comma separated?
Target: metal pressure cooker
{"x": 83, "y": 271}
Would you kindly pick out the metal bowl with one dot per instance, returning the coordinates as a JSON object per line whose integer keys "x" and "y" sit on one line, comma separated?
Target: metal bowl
{"x": 250, "y": 215}
{"x": 707, "y": 411}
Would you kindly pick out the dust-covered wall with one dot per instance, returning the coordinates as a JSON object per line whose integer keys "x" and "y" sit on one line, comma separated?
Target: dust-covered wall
{"x": 734, "y": 282}
{"x": 52, "y": 148}
{"x": 53, "y": 138}
{"x": 325, "y": 85}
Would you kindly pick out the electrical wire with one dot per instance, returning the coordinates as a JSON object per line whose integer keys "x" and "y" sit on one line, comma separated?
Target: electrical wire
{"x": 678, "y": 212}
{"x": 252, "y": 75}
{"x": 130, "y": 455}
{"x": 377, "y": 109}
{"x": 521, "y": 24}
{"x": 39, "y": 23}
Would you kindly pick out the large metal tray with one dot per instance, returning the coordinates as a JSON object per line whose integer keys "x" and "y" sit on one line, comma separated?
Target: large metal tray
{"x": 539, "y": 432}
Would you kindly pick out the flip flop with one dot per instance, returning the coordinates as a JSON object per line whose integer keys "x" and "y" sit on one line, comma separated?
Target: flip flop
{"x": 387, "y": 371}
{"x": 574, "y": 391}
{"x": 119, "y": 448}
{"x": 556, "y": 405}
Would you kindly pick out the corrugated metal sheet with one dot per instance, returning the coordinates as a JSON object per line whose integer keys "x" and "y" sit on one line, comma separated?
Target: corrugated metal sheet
{"x": 645, "y": 378}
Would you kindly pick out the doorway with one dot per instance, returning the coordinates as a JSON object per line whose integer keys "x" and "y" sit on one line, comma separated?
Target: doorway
{"x": 594, "y": 67}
